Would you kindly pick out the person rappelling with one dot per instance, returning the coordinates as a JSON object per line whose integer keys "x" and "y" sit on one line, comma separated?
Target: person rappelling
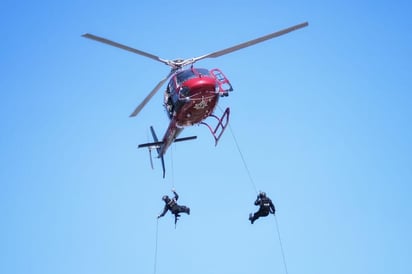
{"x": 265, "y": 207}
{"x": 172, "y": 205}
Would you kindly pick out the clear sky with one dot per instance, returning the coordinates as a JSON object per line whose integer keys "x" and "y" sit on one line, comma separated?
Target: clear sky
{"x": 320, "y": 120}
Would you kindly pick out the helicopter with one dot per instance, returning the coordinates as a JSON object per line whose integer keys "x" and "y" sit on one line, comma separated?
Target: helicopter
{"x": 192, "y": 93}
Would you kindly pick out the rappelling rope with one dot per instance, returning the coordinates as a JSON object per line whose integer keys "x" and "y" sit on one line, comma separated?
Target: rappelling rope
{"x": 243, "y": 159}
{"x": 256, "y": 190}
{"x": 281, "y": 246}
{"x": 172, "y": 167}
{"x": 155, "y": 255}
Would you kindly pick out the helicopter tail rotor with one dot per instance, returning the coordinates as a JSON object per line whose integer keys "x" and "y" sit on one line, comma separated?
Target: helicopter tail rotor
{"x": 158, "y": 146}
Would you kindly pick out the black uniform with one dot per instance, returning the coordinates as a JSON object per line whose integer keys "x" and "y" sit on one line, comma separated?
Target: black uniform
{"x": 171, "y": 204}
{"x": 265, "y": 207}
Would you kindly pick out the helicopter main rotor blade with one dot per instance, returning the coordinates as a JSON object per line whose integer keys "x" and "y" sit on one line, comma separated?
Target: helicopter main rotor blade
{"x": 121, "y": 46}
{"x": 251, "y": 42}
{"x": 150, "y": 95}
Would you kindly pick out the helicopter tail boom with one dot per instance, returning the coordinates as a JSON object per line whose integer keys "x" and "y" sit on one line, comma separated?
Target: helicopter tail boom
{"x": 158, "y": 145}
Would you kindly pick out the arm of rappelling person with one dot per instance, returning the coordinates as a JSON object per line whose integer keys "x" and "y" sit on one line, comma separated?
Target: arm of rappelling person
{"x": 175, "y": 193}
{"x": 163, "y": 213}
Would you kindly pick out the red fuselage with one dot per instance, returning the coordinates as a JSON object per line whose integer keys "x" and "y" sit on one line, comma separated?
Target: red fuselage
{"x": 190, "y": 97}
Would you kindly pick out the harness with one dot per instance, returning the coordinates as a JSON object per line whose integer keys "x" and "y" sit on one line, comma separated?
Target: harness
{"x": 266, "y": 202}
{"x": 265, "y": 205}
{"x": 171, "y": 203}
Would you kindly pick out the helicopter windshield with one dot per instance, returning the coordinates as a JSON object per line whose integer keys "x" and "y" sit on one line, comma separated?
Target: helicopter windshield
{"x": 191, "y": 73}
{"x": 203, "y": 72}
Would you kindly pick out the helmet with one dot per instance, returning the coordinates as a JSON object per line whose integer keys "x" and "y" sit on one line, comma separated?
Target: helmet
{"x": 262, "y": 194}
{"x": 165, "y": 198}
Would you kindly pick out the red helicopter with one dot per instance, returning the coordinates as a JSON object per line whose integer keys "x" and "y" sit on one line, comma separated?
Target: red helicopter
{"x": 191, "y": 94}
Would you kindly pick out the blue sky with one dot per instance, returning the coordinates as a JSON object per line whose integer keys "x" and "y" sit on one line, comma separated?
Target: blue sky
{"x": 321, "y": 116}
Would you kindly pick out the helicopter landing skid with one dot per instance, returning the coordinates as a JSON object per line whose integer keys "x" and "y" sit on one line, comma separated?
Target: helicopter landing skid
{"x": 222, "y": 123}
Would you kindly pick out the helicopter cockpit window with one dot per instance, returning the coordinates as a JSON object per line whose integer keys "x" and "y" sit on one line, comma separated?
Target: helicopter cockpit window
{"x": 189, "y": 74}
{"x": 203, "y": 72}
{"x": 170, "y": 87}
{"x": 184, "y": 76}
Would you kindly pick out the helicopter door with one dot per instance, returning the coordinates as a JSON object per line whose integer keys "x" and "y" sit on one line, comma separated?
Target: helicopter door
{"x": 168, "y": 98}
